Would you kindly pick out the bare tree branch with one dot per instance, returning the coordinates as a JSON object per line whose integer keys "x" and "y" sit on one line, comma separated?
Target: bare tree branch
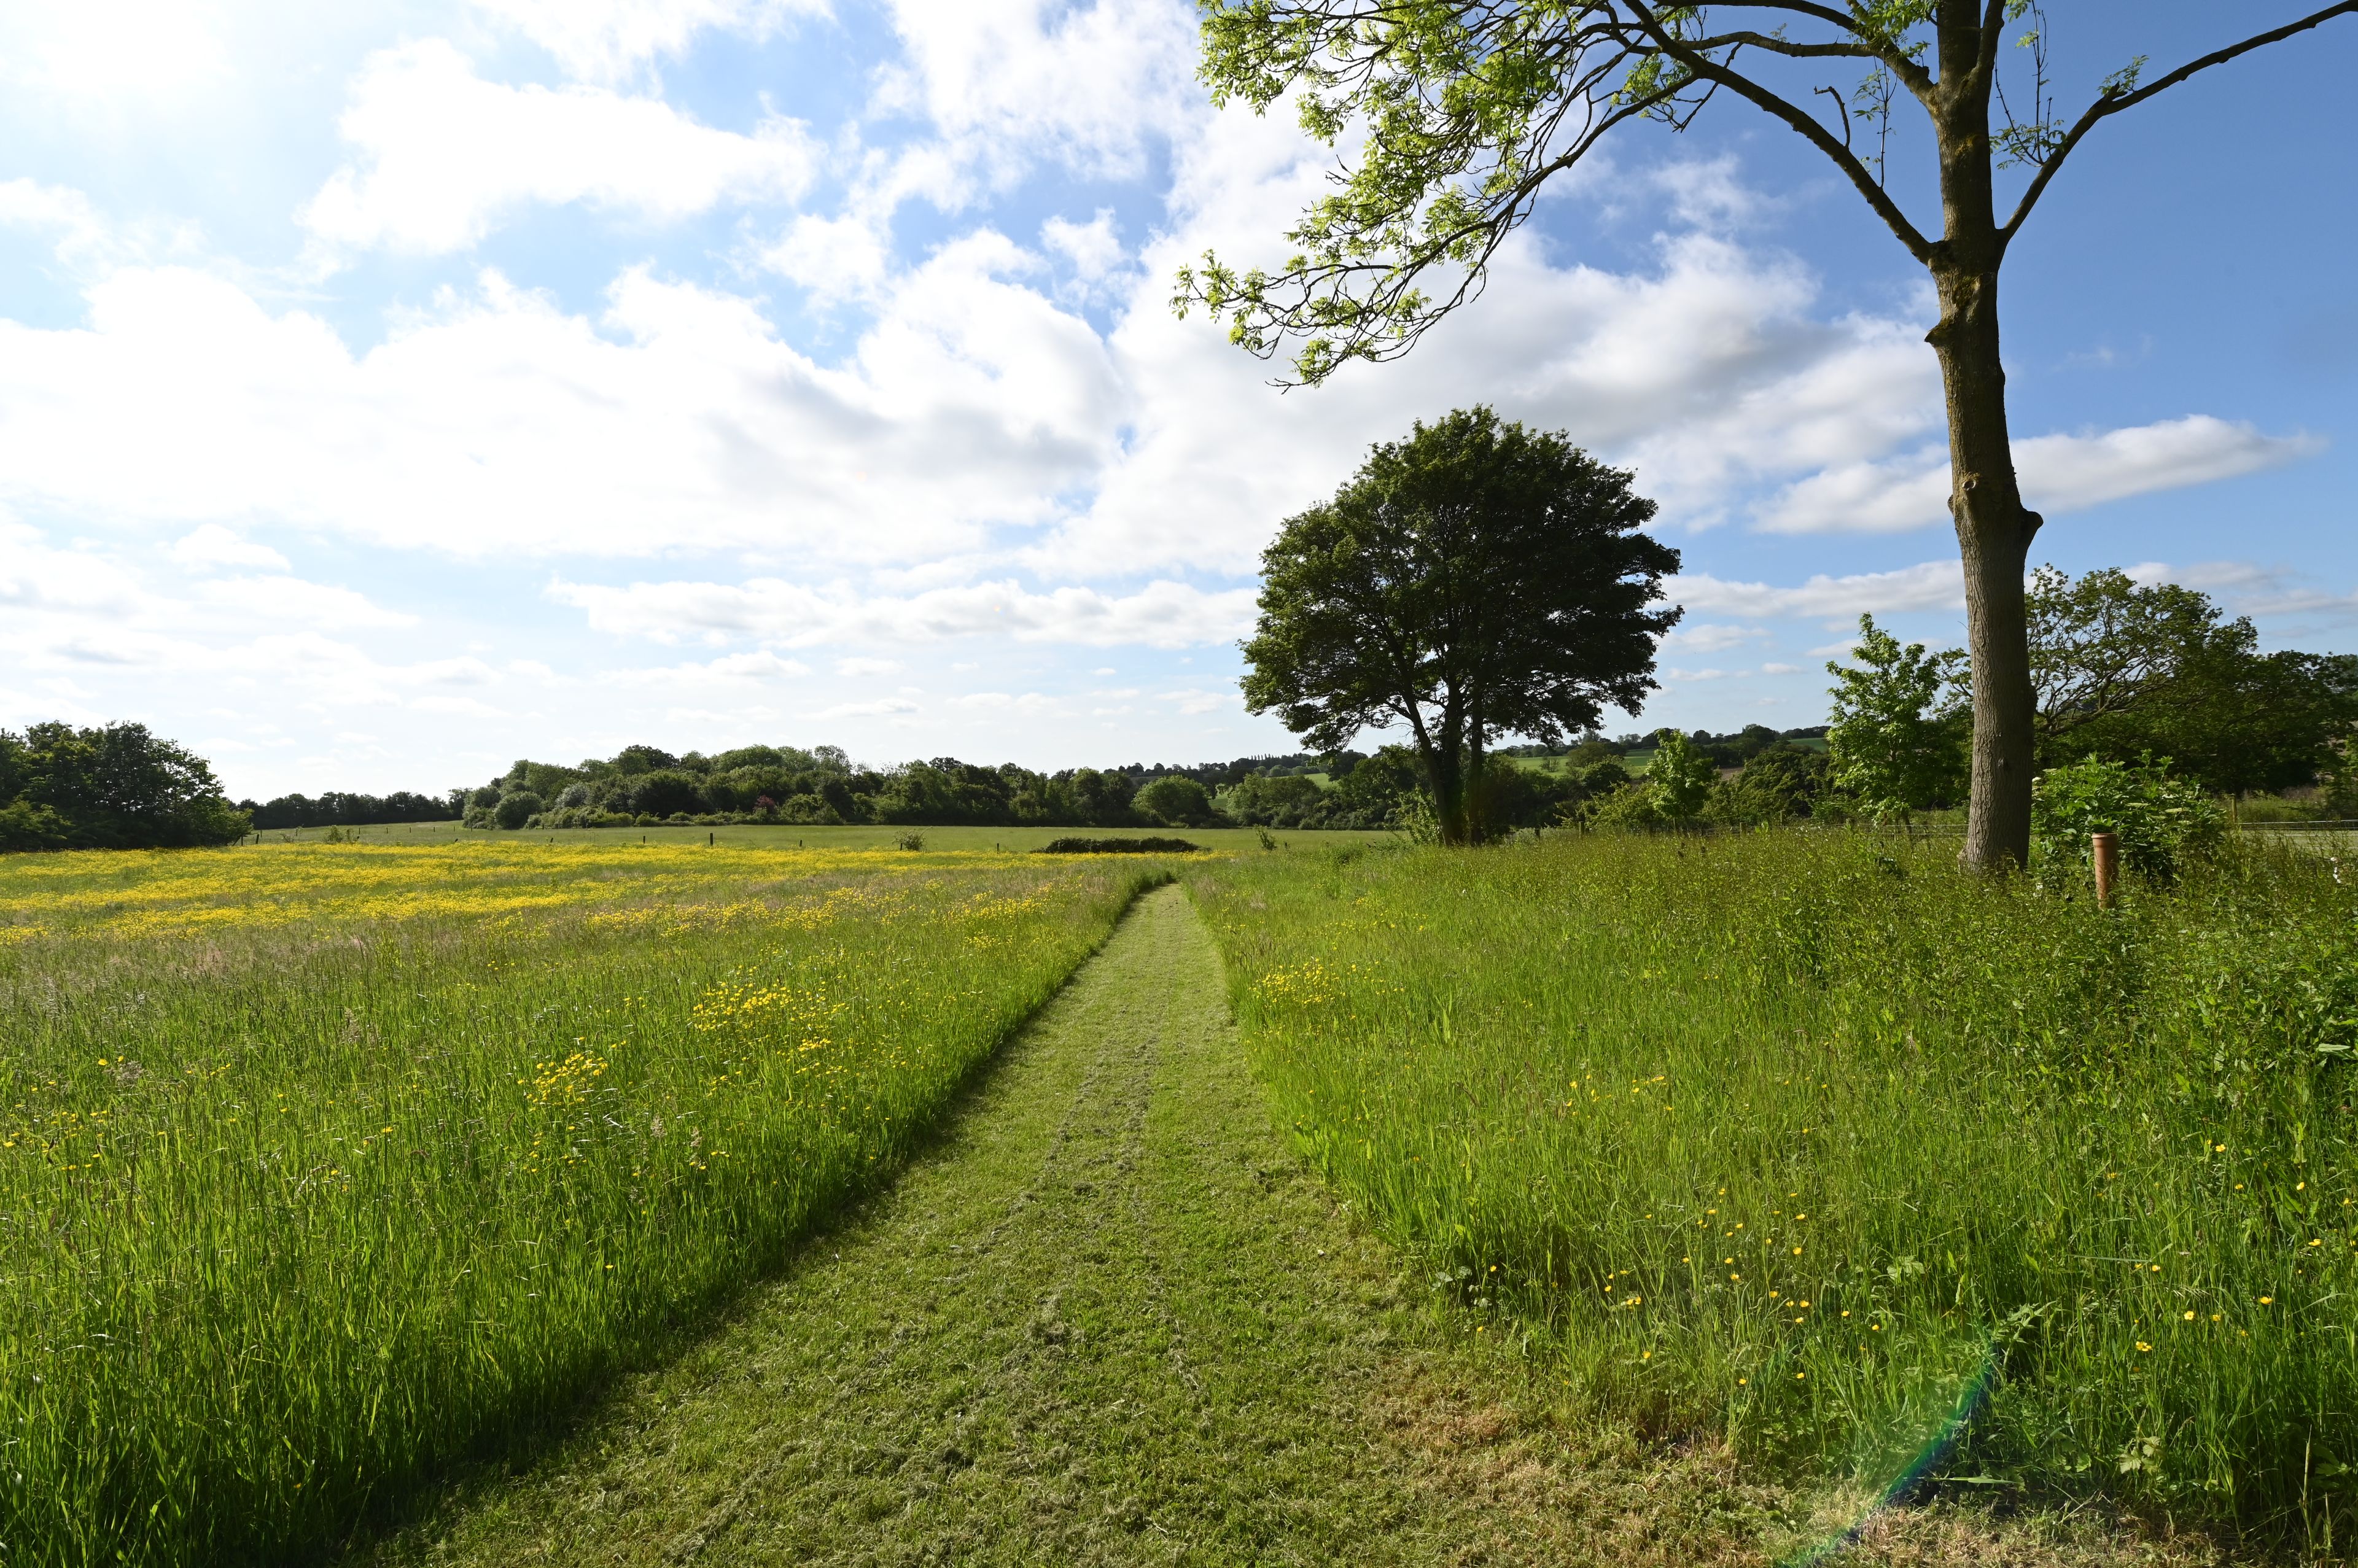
{"x": 2113, "y": 103}
{"x": 1919, "y": 82}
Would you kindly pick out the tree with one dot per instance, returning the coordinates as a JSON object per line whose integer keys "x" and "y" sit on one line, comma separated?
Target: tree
{"x": 118, "y": 787}
{"x": 1679, "y": 778}
{"x": 1466, "y": 108}
{"x": 2122, "y": 670}
{"x": 1475, "y": 579}
{"x": 1175, "y": 801}
{"x": 1898, "y": 734}
{"x": 2100, "y": 645}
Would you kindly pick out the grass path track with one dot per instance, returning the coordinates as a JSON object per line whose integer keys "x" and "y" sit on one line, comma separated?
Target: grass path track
{"x": 1107, "y": 1319}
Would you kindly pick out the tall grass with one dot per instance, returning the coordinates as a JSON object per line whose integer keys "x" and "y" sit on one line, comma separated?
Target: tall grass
{"x": 321, "y": 1167}
{"x": 1806, "y": 1138}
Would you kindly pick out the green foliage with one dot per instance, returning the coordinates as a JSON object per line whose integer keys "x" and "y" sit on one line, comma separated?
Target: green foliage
{"x": 1680, "y": 779}
{"x": 2161, "y": 822}
{"x": 1901, "y": 725}
{"x": 1475, "y": 579}
{"x": 516, "y": 810}
{"x": 1778, "y": 785}
{"x": 1837, "y": 1126}
{"x": 1175, "y": 801}
{"x": 1144, "y": 844}
{"x": 2121, "y": 670}
{"x": 116, "y": 787}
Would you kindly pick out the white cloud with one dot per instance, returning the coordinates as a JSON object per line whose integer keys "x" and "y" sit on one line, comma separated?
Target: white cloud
{"x": 833, "y": 258}
{"x": 496, "y": 422}
{"x": 1929, "y": 585}
{"x": 214, "y": 546}
{"x": 1781, "y": 669}
{"x": 292, "y": 598}
{"x": 883, "y": 709}
{"x": 1010, "y": 81}
{"x": 2059, "y": 474}
{"x": 1194, "y": 701}
{"x": 1093, "y": 248}
{"x": 1707, "y": 637}
{"x": 611, "y": 39}
{"x": 758, "y": 664}
{"x": 1161, "y": 615}
{"x": 117, "y": 49}
{"x": 444, "y": 156}
{"x": 853, "y": 668}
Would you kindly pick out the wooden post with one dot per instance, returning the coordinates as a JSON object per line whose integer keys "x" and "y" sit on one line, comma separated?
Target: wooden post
{"x": 2106, "y": 852}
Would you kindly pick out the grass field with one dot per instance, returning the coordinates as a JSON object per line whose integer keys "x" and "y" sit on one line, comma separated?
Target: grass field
{"x": 1816, "y": 1143}
{"x": 751, "y": 836}
{"x": 322, "y": 1166}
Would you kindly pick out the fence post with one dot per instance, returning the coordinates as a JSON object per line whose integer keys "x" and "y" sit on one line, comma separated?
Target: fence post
{"x": 2105, "y": 850}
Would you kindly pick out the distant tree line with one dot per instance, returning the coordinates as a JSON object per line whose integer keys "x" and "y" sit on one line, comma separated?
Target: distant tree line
{"x": 643, "y": 786}
{"x": 339, "y": 808}
{"x": 114, "y": 788}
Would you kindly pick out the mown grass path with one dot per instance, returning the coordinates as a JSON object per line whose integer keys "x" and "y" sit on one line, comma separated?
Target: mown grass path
{"x": 1107, "y": 1319}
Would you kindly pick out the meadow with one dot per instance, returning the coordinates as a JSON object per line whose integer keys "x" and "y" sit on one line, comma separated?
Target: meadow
{"x": 1815, "y": 1142}
{"x": 323, "y": 1167}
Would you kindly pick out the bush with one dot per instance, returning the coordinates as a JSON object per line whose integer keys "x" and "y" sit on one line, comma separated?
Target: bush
{"x": 1175, "y": 801}
{"x": 514, "y": 810}
{"x": 1073, "y": 846}
{"x": 2160, "y": 821}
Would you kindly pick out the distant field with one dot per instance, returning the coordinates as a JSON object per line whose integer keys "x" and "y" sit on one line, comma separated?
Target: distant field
{"x": 1819, "y": 1142}
{"x": 759, "y": 836}
{"x": 321, "y": 1166}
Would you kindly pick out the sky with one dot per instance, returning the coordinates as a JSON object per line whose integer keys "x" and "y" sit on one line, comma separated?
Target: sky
{"x": 393, "y": 389}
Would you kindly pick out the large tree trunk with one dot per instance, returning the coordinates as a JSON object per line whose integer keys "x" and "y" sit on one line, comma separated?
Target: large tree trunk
{"x": 1993, "y": 532}
{"x": 1994, "y": 529}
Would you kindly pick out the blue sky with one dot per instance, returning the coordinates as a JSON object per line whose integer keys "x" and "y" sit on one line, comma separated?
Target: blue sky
{"x": 391, "y": 390}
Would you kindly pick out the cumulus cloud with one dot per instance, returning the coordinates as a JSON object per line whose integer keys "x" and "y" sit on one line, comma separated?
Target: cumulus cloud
{"x": 1092, "y": 249}
{"x": 609, "y": 39}
{"x": 884, "y": 708}
{"x": 1929, "y": 585}
{"x": 1007, "y": 84}
{"x": 758, "y": 664}
{"x": 444, "y": 155}
{"x": 1161, "y": 615}
{"x": 214, "y": 546}
{"x": 498, "y": 422}
{"x": 2059, "y": 473}
{"x": 292, "y": 598}
{"x": 1707, "y": 637}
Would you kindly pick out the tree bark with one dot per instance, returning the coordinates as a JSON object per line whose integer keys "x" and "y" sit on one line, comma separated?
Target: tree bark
{"x": 1993, "y": 533}
{"x": 1994, "y": 528}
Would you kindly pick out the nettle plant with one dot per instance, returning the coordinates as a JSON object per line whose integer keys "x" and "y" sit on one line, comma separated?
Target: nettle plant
{"x": 1458, "y": 112}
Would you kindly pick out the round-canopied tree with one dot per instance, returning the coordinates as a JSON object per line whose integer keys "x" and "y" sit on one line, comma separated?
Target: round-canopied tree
{"x": 1476, "y": 579}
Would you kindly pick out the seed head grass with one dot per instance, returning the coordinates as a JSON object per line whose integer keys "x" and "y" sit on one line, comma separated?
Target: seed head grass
{"x": 1810, "y": 1141}
{"x": 322, "y": 1167}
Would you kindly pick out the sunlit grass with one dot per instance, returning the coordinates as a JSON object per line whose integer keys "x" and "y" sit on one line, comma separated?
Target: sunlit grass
{"x": 1790, "y": 1136}
{"x": 321, "y": 1165}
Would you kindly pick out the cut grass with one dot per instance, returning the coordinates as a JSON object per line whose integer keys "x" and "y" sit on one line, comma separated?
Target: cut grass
{"x": 1791, "y": 1139}
{"x": 321, "y": 1167}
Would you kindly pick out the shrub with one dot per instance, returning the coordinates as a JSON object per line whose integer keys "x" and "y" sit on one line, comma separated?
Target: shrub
{"x": 1174, "y": 800}
{"x": 2160, "y": 821}
{"x": 1076, "y": 846}
{"x": 908, "y": 840}
{"x": 514, "y": 810}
